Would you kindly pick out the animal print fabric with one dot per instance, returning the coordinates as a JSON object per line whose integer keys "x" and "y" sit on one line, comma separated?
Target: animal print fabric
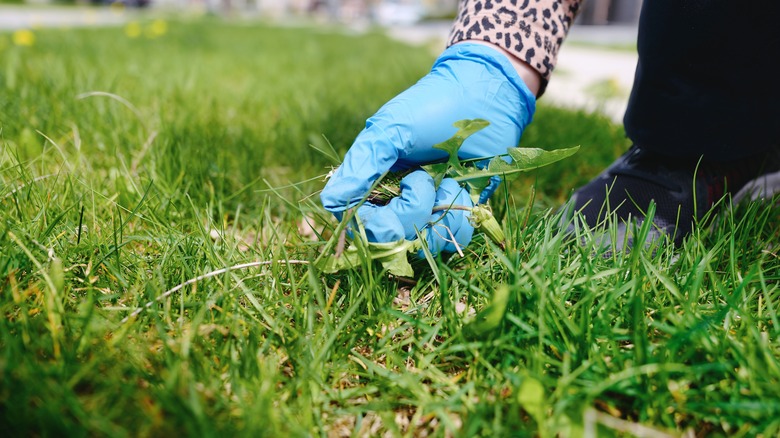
{"x": 532, "y": 30}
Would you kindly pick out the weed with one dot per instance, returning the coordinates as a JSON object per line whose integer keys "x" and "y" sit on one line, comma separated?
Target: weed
{"x": 106, "y": 209}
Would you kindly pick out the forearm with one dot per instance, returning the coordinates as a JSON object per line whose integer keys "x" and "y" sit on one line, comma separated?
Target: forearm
{"x": 529, "y": 33}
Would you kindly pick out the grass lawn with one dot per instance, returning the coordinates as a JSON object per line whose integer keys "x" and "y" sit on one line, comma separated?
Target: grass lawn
{"x": 133, "y": 160}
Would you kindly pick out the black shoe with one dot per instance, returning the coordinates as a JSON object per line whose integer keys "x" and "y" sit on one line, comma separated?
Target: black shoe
{"x": 683, "y": 191}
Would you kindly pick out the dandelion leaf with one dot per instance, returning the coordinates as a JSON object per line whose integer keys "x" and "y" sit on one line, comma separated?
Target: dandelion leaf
{"x": 533, "y": 158}
{"x": 437, "y": 171}
{"x": 499, "y": 165}
{"x": 391, "y": 255}
{"x": 349, "y": 259}
{"x": 523, "y": 160}
{"x": 452, "y": 145}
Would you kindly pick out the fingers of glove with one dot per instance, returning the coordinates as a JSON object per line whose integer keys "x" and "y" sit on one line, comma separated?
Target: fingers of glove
{"x": 450, "y": 229}
{"x": 371, "y": 155}
{"x": 404, "y": 214}
{"x": 380, "y": 223}
{"x": 413, "y": 207}
{"x": 495, "y": 182}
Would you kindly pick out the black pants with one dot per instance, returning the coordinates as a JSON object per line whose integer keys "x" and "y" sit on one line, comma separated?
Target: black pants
{"x": 707, "y": 82}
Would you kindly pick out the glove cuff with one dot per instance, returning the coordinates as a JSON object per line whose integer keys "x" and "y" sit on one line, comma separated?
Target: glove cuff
{"x": 497, "y": 62}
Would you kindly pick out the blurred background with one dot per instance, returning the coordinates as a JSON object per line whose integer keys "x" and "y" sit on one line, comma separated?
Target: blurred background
{"x": 383, "y": 12}
{"x": 595, "y": 68}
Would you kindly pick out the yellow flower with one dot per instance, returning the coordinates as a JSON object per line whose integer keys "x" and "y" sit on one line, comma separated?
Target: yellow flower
{"x": 156, "y": 28}
{"x": 133, "y": 29}
{"x": 23, "y": 37}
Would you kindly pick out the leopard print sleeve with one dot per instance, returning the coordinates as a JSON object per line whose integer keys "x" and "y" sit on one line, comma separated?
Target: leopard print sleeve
{"x": 532, "y": 30}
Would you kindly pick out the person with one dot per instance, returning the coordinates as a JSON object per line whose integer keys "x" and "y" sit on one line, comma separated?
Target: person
{"x": 702, "y": 116}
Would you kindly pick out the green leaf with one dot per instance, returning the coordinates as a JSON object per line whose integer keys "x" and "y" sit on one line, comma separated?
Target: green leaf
{"x": 523, "y": 160}
{"x": 531, "y": 398}
{"x": 437, "y": 171}
{"x": 452, "y": 145}
{"x": 349, "y": 259}
{"x": 476, "y": 186}
{"x": 392, "y": 256}
{"x": 533, "y": 158}
{"x": 498, "y": 164}
{"x": 479, "y": 179}
{"x": 489, "y": 318}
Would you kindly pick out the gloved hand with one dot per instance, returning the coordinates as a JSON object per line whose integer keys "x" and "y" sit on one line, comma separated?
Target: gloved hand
{"x": 467, "y": 81}
{"x": 446, "y": 229}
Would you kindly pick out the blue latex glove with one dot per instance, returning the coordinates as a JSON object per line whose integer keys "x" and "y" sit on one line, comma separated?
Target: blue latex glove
{"x": 449, "y": 230}
{"x": 467, "y": 81}
{"x": 411, "y": 212}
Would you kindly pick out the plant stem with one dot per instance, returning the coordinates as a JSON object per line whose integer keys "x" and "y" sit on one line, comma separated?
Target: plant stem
{"x": 450, "y": 207}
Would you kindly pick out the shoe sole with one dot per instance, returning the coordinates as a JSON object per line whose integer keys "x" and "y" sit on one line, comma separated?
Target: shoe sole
{"x": 761, "y": 188}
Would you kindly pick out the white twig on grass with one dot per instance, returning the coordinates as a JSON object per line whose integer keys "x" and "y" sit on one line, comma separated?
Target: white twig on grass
{"x": 171, "y": 291}
{"x": 455, "y": 242}
{"x": 593, "y": 417}
{"x": 36, "y": 179}
{"x": 449, "y": 239}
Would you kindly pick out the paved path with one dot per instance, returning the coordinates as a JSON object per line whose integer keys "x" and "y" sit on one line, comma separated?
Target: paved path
{"x": 31, "y": 17}
{"x": 593, "y": 79}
